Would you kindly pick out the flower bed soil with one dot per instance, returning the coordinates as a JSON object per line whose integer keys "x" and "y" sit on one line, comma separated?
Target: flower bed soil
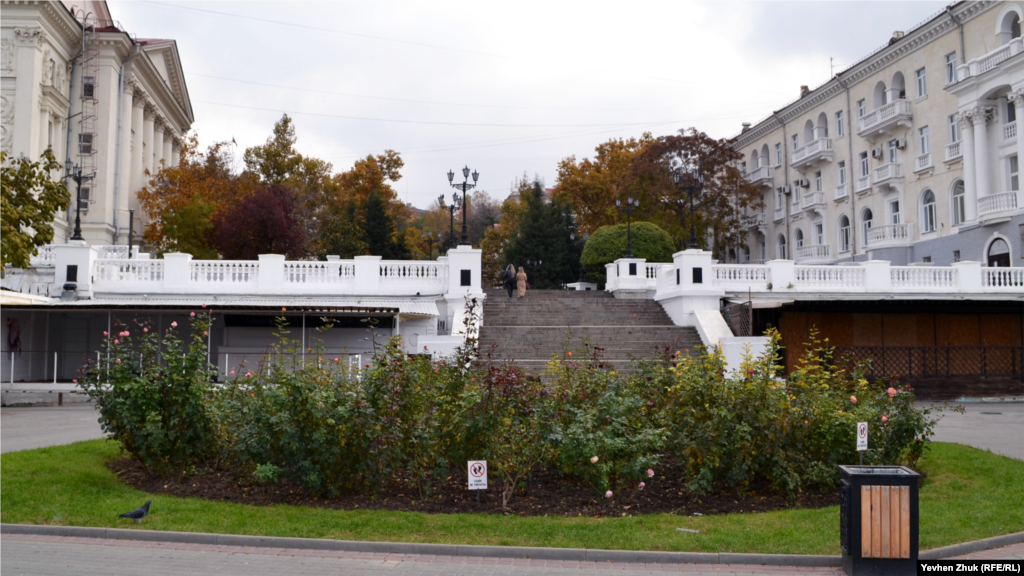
{"x": 545, "y": 495}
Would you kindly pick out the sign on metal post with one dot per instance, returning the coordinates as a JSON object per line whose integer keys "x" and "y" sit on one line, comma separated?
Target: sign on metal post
{"x": 478, "y": 474}
{"x": 862, "y": 436}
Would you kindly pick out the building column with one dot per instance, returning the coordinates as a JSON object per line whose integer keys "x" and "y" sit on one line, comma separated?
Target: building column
{"x": 124, "y": 177}
{"x": 1017, "y": 97}
{"x": 169, "y": 159}
{"x": 147, "y": 144}
{"x": 980, "y": 117}
{"x": 970, "y": 177}
{"x": 158, "y": 145}
{"x": 138, "y": 102}
{"x": 23, "y": 137}
{"x": 176, "y": 153}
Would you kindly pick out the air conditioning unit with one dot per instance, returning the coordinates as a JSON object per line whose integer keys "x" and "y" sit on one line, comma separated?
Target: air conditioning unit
{"x": 901, "y": 143}
{"x": 804, "y": 183}
{"x": 876, "y": 153}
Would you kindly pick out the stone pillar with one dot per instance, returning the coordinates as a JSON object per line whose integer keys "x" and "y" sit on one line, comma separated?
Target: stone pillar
{"x": 169, "y": 158}
{"x": 23, "y": 138}
{"x": 138, "y": 103}
{"x": 147, "y": 143}
{"x": 980, "y": 117}
{"x": 1017, "y": 97}
{"x": 970, "y": 177}
{"x": 158, "y": 146}
{"x": 124, "y": 180}
{"x": 175, "y": 153}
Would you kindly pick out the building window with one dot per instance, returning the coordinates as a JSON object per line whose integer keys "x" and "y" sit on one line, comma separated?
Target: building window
{"x": 926, "y": 259}
{"x": 1011, "y": 112}
{"x": 746, "y": 253}
{"x": 999, "y": 254}
{"x": 959, "y": 207}
{"x": 779, "y": 202}
{"x": 894, "y": 212}
{"x": 1014, "y": 181}
{"x": 817, "y": 181}
{"x": 841, "y": 172}
{"x": 867, "y": 219}
{"x": 928, "y": 211}
{"x": 819, "y": 233}
{"x": 86, "y": 193}
{"x": 840, "y": 124}
{"x": 922, "y": 136}
{"x": 954, "y": 128}
{"x": 799, "y": 238}
{"x": 864, "y": 166}
{"x": 922, "y": 84}
{"x": 956, "y": 255}
{"x": 743, "y": 167}
{"x": 844, "y": 234}
{"x": 782, "y": 247}
{"x": 763, "y": 250}
{"x": 49, "y": 134}
{"x": 778, "y": 154}
{"x": 862, "y": 108}
{"x": 893, "y": 151}
{"x": 951, "y": 68}
{"x": 796, "y": 141}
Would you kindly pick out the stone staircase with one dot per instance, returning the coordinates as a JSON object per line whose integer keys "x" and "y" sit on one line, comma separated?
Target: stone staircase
{"x": 546, "y": 322}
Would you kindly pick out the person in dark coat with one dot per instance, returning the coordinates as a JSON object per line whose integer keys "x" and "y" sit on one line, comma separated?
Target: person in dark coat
{"x": 510, "y": 279}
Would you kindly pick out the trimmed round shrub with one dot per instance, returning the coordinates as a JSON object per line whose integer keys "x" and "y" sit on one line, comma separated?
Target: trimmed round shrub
{"x": 608, "y": 244}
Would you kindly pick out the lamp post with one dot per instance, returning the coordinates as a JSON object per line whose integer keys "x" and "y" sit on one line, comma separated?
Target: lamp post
{"x": 692, "y": 184}
{"x": 464, "y": 186}
{"x": 451, "y": 218}
{"x": 429, "y": 237}
{"x": 630, "y": 207}
{"x": 74, "y": 172}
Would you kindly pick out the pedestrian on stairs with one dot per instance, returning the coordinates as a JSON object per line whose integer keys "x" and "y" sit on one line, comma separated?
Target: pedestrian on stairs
{"x": 510, "y": 279}
{"x": 521, "y": 282}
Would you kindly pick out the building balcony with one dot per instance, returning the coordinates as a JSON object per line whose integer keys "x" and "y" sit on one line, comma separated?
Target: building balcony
{"x": 842, "y": 191}
{"x": 887, "y": 176}
{"x": 863, "y": 184}
{"x": 983, "y": 64}
{"x": 812, "y": 153}
{"x": 923, "y": 162}
{"x": 754, "y": 220}
{"x": 889, "y": 235}
{"x": 761, "y": 176}
{"x": 886, "y": 120}
{"x": 813, "y": 254}
{"x": 1009, "y": 131}
{"x": 794, "y": 207}
{"x": 954, "y": 151}
{"x": 997, "y": 207}
{"x": 780, "y": 214}
{"x": 813, "y": 200}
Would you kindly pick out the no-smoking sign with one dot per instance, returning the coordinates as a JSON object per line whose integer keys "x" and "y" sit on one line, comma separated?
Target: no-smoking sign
{"x": 477, "y": 474}
{"x": 862, "y": 436}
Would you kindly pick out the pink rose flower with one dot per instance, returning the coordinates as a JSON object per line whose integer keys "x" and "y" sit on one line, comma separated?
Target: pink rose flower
{"x": 335, "y": 359}
{"x": 593, "y": 460}
{"x": 424, "y": 347}
{"x": 641, "y": 485}
{"x": 569, "y": 353}
{"x": 282, "y": 308}
{"x": 891, "y": 391}
{"x": 146, "y": 330}
{"x": 608, "y": 494}
{"x": 115, "y": 340}
{"x": 248, "y": 373}
{"x": 174, "y": 324}
{"x": 204, "y": 304}
{"x": 885, "y": 418}
{"x": 232, "y": 372}
{"x": 127, "y": 333}
{"x": 205, "y": 333}
{"x": 193, "y": 314}
{"x": 650, "y": 473}
{"x": 853, "y": 399}
{"x": 118, "y": 360}
{"x": 74, "y": 380}
{"x": 105, "y": 333}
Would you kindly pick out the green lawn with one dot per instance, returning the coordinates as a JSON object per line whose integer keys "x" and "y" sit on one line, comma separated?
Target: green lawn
{"x": 969, "y": 494}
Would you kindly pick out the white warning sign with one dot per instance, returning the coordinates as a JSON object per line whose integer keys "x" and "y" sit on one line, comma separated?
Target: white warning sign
{"x": 478, "y": 474}
{"x": 862, "y": 436}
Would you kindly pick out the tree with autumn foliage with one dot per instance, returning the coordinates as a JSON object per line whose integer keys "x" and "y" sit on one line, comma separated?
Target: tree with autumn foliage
{"x": 263, "y": 222}
{"x": 499, "y": 237}
{"x": 29, "y": 199}
{"x": 181, "y": 202}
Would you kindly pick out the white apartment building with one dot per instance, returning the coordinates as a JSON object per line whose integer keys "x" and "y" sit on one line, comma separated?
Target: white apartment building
{"x": 909, "y": 155}
{"x": 73, "y": 80}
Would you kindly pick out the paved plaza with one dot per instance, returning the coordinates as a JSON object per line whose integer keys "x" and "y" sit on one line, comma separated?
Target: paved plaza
{"x": 995, "y": 426}
{"x": 27, "y": 427}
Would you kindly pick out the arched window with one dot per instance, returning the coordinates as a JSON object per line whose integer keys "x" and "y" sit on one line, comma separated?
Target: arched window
{"x": 821, "y": 130}
{"x": 764, "y": 156}
{"x": 959, "y": 209}
{"x": 928, "y": 211}
{"x": 898, "y": 90}
{"x": 732, "y": 255}
{"x": 808, "y": 132}
{"x": 754, "y": 161}
{"x": 999, "y": 253}
{"x": 746, "y": 253}
{"x": 844, "y": 234}
{"x": 782, "y": 247}
{"x": 880, "y": 95}
{"x": 1009, "y": 25}
{"x": 866, "y": 218}
{"x": 799, "y": 238}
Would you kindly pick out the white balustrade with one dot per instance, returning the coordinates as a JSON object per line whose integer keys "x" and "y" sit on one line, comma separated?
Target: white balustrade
{"x": 794, "y": 208}
{"x": 754, "y": 220}
{"x": 994, "y": 203}
{"x": 741, "y": 276}
{"x": 888, "y": 172}
{"x": 896, "y": 233}
{"x": 841, "y": 191}
{"x": 809, "y": 150}
{"x": 1008, "y": 279}
{"x": 224, "y": 271}
{"x": 813, "y": 252}
{"x": 863, "y": 183}
{"x": 760, "y": 175}
{"x": 652, "y": 270}
{"x": 111, "y": 252}
{"x": 1010, "y": 131}
{"x": 45, "y": 257}
{"x": 828, "y": 277}
{"x": 779, "y": 214}
{"x": 812, "y": 200}
{"x": 923, "y": 277}
{"x": 412, "y": 273}
{"x": 883, "y": 114}
{"x": 992, "y": 59}
{"x": 954, "y": 151}
{"x": 331, "y": 272}
{"x": 923, "y": 162}
{"x": 126, "y": 272}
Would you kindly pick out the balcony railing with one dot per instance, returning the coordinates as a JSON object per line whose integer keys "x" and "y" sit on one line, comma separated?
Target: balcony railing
{"x": 813, "y": 252}
{"x": 841, "y": 191}
{"x": 938, "y": 278}
{"x": 813, "y": 151}
{"x": 762, "y": 175}
{"x": 954, "y": 150}
{"x": 780, "y": 213}
{"x": 989, "y": 61}
{"x": 997, "y": 205}
{"x": 754, "y": 220}
{"x": 884, "y": 118}
{"x": 890, "y": 234}
{"x": 794, "y": 207}
{"x": 886, "y": 175}
{"x": 813, "y": 200}
{"x": 1010, "y": 131}
{"x": 863, "y": 184}
{"x": 923, "y": 162}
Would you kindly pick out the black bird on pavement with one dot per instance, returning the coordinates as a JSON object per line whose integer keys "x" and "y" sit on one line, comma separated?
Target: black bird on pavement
{"x": 139, "y": 513}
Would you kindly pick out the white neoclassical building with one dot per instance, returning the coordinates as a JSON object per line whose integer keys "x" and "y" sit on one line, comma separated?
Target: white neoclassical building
{"x": 116, "y": 105}
{"x": 910, "y": 155}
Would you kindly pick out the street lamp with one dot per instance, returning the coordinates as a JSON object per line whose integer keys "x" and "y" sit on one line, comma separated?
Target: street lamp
{"x": 630, "y": 207}
{"x": 74, "y": 172}
{"x": 429, "y": 237}
{"x": 464, "y": 186}
{"x": 693, "y": 183}
{"x": 451, "y": 218}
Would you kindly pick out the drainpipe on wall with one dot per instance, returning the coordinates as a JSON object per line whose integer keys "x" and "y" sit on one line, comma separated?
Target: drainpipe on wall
{"x": 117, "y": 149}
{"x": 851, "y": 191}
{"x": 949, "y": 12}
{"x": 785, "y": 197}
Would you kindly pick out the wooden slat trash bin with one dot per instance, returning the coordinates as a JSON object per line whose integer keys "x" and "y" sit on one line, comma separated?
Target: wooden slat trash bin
{"x": 878, "y": 520}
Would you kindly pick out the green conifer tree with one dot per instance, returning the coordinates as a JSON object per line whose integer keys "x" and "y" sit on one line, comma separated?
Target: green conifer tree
{"x": 544, "y": 244}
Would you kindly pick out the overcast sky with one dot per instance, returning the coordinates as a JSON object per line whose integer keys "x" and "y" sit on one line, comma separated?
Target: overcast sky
{"x": 505, "y": 87}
